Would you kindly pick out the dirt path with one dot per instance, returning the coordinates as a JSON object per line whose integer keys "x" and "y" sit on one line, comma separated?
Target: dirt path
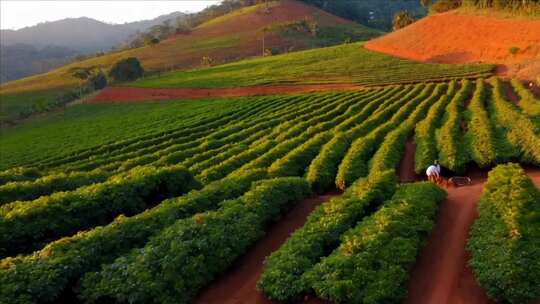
{"x": 238, "y": 286}
{"x": 406, "y": 165}
{"x": 131, "y": 94}
{"x": 509, "y": 92}
{"x": 441, "y": 274}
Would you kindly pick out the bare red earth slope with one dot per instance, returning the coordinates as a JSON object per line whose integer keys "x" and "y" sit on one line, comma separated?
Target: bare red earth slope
{"x": 455, "y": 37}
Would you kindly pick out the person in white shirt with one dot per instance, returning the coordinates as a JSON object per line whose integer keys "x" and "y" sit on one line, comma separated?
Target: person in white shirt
{"x": 433, "y": 172}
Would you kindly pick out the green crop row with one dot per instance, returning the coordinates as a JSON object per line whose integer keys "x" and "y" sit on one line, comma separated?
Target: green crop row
{"x": 264, "y": 152}
{"x": 297, "y": 160}
{"x": 323, "y": 169}
{"x": 221, "y": 167}
{"x": 505, "y": 239}
{"x": 178, "y": 152}
{"x": 480, "y": 137}
{"x": 355, "y": 163}
{"x": 392, "y": 147}
{"x": 189, "y": 254}
{"x": 372, "y": 103}
{"x": 147, "y": 155}
{"x": 184, "y": 135}
{"x": 43, "y": 275}
{"x": 30, "y": 190}
{"x": 528, "y": 102}
{"x": 207, "y": 121}
{"x": 426, "y": 144}
{"x": 283, "y": 277}
{"x": 452, "y": 153}
{"x": 19, "y": 174}
{"x": 373, "y": 262}
{"x": 23, "y": 224}
{"x": 520, "y": 130}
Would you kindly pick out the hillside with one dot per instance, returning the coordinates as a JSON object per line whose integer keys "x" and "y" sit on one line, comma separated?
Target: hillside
{"x": 223, "y": 39}
{"x": 457, "y": 37}
{"x": 45, "y": 46}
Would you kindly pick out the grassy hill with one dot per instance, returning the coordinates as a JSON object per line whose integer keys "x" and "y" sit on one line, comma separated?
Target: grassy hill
{"x": 223, "y": 39}
{"x": 347, "y": 63}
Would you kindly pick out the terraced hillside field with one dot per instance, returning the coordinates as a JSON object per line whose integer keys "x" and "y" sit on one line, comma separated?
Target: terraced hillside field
{"x": 155, "y": 204}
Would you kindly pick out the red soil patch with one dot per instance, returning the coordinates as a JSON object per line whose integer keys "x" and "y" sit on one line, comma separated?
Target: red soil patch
{"x": 406, "y": 171}
{"x": 510, "y": 93}
{"x": 238, "y": 286}
{"x": 130, "y": 94}
{"x": 461, "y": 38}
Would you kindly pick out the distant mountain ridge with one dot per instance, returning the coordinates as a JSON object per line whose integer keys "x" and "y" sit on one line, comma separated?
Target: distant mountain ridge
{"x": 80, "y": 34}
{"x": 45, "y": 46}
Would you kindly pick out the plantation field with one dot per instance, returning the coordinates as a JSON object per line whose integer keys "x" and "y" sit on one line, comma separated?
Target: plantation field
{"x": 152, "y": 202}
{"x": 223, "y": 39}
{"x": 348, "y": 63}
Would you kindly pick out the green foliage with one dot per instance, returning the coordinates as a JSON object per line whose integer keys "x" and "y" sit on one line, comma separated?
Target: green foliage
{"x": 193, "y": 251}
{"x": 392, "y": 147}
{"x": 42, "y": 275}
{"x": 29, "y": 190}
{"x": 127, "y": 69}
{"x": 283, "y": 278}
{"x": 19, "y": 174}
{"x": 504, "y": 239}
{"x": 513, "y": 50}
{"x": 297, "y": 160}
{"x": 442, "y": 6}
{"x": 520, "y": 129}
{"x": 480, "y": 137}
{"x": 355, "y": 163}
{"x": 373, "y": 262}
{"x": 528, "y": 102}
{"x": 349, "y": 63}
{"x": 452, "y": 153}
{"x": 25, "y": 223}
{"x": 426, "y": 145}
{"x": 401, "y": 20}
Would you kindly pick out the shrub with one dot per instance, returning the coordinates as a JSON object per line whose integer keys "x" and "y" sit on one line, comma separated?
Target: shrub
{"x": 43, "y": 275}
{"x": 193, "y": 251}
{"x": 126, "y": 70}
{"x": 504, "y": 242}
{"x": 425, "y": 139}
{"x": 528, "y": 102}
{"x": 282, "y": 278}
{"x": 452, "y": 153}
{"x": 481, "y": 138}
{"x": 402, "y": 19}
{"x": 24, "y": 224}
{"x": 29, "y": 190}
{"x": 521, "y": 131}
{"x": 513, "y": 50}
{"x": 373, "y": 262}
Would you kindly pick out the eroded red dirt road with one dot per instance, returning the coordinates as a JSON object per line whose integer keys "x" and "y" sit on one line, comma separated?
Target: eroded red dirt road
{"x": 131, "y": 94}
{"x": 238, "y": 285}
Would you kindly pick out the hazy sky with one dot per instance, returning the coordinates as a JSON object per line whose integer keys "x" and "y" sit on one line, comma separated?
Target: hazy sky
{"x": 15, "y": 14}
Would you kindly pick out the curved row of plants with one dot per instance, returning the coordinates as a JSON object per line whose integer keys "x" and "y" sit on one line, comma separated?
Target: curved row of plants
{"x": 45, "y": 274}
{"x": 193, "y": 251}
{"x": 504, "y": 240}
{"x": 355, "y": 163}
{"x": 520, "y": 131}
{"x": 425, "y": 132}
{"x": 23, "y": 225}
{"x": 322, "y": 171}
{"x": 373, "y": 262}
